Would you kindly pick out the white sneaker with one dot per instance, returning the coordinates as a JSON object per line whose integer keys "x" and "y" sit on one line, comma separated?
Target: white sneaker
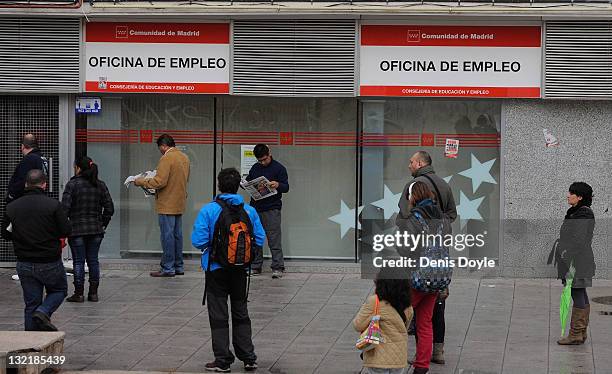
{"x": 277, "y": 274}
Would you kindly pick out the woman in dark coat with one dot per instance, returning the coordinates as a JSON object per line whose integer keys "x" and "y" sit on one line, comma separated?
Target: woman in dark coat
{"x": 89, "y": 206}
{"x": 575, "y": 250}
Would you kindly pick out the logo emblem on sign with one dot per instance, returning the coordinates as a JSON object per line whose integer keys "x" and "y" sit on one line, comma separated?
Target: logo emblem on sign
{"x": 414, "y": 36}
{"x": 121, "y": 32}
{"x": 102, "y": 83}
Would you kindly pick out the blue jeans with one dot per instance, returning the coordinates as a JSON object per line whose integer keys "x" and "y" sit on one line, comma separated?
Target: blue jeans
{"x": 36, "y": 277}
{"x": 171, "y": 228}
{"x": 85, "y": 248}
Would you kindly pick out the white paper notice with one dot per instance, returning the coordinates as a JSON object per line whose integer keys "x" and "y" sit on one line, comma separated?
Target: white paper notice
{"x": 247, "y": 158}
{"x": 452, "y": 148}
{"x": 550, "y": 139}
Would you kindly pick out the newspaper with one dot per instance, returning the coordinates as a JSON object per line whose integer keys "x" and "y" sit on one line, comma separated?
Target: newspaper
{"x": 147, "y": 174}
{"x": 259, "y": 188}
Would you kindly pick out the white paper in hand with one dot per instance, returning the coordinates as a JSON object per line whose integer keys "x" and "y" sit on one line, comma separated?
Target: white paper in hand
{"x": 129, "y": 180}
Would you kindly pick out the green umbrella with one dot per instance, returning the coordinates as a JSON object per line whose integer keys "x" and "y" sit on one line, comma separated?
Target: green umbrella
{"x": 566, "y": 298}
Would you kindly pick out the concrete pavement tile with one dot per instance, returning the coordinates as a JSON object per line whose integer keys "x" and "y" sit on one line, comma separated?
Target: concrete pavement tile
{"x": 78, "y": 329}
{"x": 340, "y": 364}
{"x": 166, "y": 358}
{"x": 168, "y": 321}
{"x": 313, "y": 345}
{"x": 79, "y": 361}
{"x": 196, "y": 362}
{"x": 90, "y": 345}
{"x": 296, "y": 363}
{"x": 114, "y": 360}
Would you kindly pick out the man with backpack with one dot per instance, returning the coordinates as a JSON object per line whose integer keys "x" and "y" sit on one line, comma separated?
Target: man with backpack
{"x": 422, "y": 171}
{"x": 228, "y": 232}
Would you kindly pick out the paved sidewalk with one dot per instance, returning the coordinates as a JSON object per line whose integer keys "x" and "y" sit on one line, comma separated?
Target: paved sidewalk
{"x": 301, "y": 324}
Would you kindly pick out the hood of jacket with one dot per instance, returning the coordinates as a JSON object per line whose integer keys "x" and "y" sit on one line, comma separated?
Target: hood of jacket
{"x": 231, "y": 198}
{"x": 424, "y": 170}
{"x": 427, "y": 209}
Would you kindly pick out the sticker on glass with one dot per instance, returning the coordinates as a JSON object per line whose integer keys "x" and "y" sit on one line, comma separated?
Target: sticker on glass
{"x": 451, "y": 150}
{"x": 550, "y": 139}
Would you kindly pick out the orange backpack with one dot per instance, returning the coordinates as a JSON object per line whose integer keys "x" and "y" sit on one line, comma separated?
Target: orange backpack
{"x": 233, "y": 237}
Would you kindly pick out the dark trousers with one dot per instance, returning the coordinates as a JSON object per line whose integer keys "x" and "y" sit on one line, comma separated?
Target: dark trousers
{"x": 271, "y": 222}
{"x": 222, "y": 283}
{"x": 85, "y": 248}
{"x": 36, "y": 278}
{"x": 580, "y": 297}
{"x": 437, "y": 321}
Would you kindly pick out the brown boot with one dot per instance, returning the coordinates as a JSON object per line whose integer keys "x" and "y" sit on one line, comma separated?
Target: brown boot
{"x": 586, "y": 324}
{"x": 438, "y": 354}
{"x": 78, "y": 294}
{"x": 577, "y": 327}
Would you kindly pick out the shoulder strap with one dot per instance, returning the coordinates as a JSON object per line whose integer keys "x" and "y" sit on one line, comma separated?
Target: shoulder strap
{"x": 437, "y": 192}
{"x": 221, "y": 202}
{"x": 376, "y": 306}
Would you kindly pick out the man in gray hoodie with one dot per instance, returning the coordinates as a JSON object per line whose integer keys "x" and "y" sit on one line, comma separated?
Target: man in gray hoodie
{"x": 422, "y": 171}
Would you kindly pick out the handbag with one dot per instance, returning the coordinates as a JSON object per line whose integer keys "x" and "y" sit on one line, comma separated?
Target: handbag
{"x": 372, "y": 335}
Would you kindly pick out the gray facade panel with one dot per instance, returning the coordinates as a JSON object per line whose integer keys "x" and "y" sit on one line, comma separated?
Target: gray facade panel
{"x": 313, "y": 58}
{"x": 39, "y": 54}
{"x": 537, "y": 179}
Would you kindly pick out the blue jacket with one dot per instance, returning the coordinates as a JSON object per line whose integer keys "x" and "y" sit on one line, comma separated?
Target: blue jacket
{"x": 204, "y": 226}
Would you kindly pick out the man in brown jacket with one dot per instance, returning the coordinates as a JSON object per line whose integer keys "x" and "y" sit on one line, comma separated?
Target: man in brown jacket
{"x": 170, "y": 185}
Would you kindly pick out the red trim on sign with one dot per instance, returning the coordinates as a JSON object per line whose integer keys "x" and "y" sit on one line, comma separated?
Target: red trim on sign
{"x": 432, "y": 91}
{"x": 137, "y": 32}
{"x": 159, "y": 87}
{"x": 477, "y": 36}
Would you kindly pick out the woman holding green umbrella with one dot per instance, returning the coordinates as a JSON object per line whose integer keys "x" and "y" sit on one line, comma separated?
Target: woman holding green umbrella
{"x": 577, "y": 260}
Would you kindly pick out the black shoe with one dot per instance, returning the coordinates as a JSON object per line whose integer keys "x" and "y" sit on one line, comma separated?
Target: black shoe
{"x": 43, "y": 322}
{"x": 420, "y": 371}
{"x": 250, "y": 366}
{"x": 179, "y": 273}
{"x": 160, "y": 274}
{"x": 76, "y": 298}
{"x": 255, "y": 272}
{"x": 92, "y": 295}
{"x": 214, "y": 366}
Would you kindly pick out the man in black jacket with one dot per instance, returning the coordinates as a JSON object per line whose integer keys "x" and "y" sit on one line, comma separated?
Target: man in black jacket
{"x": 36, "y": 223}
{"x": 32, "y": 159}
{"x": 269, "y": 209}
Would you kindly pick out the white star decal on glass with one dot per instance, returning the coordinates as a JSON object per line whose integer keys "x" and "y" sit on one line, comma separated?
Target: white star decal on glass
{"x": 346, "y": 218}
{"x": 479, "y": 173}
{"x": 468, "y": 209}
{"x": 388, "y": 203}
{"x": 448, "y": 179}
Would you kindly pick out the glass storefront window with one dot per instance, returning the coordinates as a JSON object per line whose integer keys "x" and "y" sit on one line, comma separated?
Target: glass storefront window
{"x": 342, "y": 164}
{"x": 121, "y": 140}
{"x": 315, "y": 140}
{"x": 393, "y": 130}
